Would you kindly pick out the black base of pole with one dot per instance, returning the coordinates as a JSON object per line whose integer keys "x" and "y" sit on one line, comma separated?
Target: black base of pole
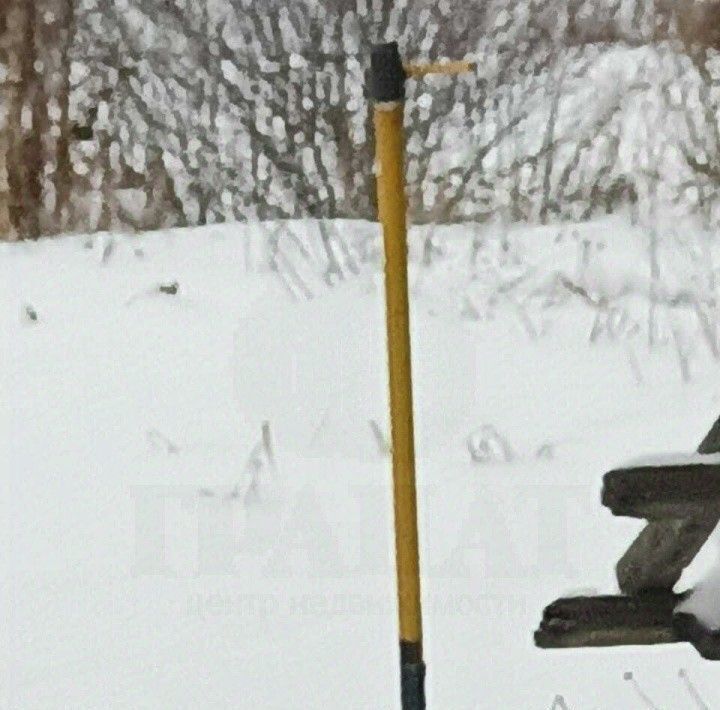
{"x": 412, "y": 676}
{"x": 412, "y": 679}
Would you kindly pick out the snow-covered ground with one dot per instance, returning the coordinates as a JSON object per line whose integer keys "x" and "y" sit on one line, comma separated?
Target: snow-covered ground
{"x": 160, "y": 554}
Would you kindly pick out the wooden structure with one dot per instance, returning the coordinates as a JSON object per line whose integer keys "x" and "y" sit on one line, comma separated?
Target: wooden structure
{"x": 681, "y": 502}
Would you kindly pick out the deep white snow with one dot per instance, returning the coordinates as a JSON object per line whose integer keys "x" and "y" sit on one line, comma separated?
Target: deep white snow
{"x": 156, "y": 557}
{"x": 673, "y": 459}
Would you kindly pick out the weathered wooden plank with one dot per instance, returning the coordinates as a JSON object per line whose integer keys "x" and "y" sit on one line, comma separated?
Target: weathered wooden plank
{"x": 658, "y": 556}
{"x": 639, "y": 620}
{"x": 576, "y": 622}
{"x": 659, "y": 493}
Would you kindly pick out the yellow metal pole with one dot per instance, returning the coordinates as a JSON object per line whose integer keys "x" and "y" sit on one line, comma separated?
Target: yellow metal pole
{"x": 391, "y": 204}
{"x": 388, "y": 80}
{"x": 388, "y": 91}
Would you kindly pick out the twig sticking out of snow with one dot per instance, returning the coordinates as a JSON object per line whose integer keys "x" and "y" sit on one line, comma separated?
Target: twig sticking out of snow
{"x": 170, "y": 289}
{"x": 708, "y": 327}
{"x": 694, "y": 694}
{"x": 559, "y": 703}
{"x": 683, "y": 356}
{"x": 597, "y": 328}
{"x": 486, "y": 445}
{"x": 261, "y": 457}
{"x": 634, "y": 365}
{"x": 29, "y": 314}
{"x": 628, "y": 676}
{"x": 281, "y": 264}
{"x": 606, "y": 318}
{"x": 252, "y": 467}
{"x": 546, "y": 451}
{"x": 291, "y": 277}
{"x": 267, "y": 444}
{"x": 255, "y": 465}
{"x": 524, "y": 318}
{"x": 599, "y": 303}
{"x": 158, "y": 440}
{"x": 318, "y": 429}
{"x": 107, "y": 251}
{"x": 380, "y": 439}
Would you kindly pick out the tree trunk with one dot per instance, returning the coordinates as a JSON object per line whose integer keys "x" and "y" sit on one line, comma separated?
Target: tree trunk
{"x": 20, "y": 144}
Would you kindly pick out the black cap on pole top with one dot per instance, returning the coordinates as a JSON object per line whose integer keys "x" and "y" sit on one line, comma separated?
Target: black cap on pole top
{"x": 387, "y": 75}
